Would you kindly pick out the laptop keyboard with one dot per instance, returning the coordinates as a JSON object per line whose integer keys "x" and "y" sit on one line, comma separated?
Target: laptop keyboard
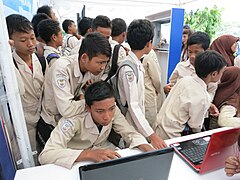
{"x": 195, "y": 154}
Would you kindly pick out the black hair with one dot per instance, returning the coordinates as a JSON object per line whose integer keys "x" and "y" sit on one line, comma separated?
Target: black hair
{"x": 207, "y": 62}
{"x": 18, "y": 23}
{"x": 48, "y": 27}
{"x": 37, "y": 18}
{"x": 84, "y": 24}
{"x": 98, "y": 91}
{"x": 101, "y": 21}
{"x": 95, "y": 44}
{"x": 66, "y": 23}
{"x": 118, "y": 26}
{"x": 200, "y": 38}
{"x": 139, "y": 33}
{"x": 45, "y": 9}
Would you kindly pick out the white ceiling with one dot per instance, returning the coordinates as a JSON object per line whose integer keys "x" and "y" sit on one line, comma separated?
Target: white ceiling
{"x": 126, "y": 9}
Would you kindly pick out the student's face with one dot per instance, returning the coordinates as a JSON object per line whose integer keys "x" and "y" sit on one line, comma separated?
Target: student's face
{"x": 102, "y": 112}
{"x": 53, "y": 16}
{"x": 24, "y": 43}
{"x": 104, "y": 31}
{"x": 184, "y": 38}
{"x": 193, "y": 50}
{"x": 216, "y": 76}
{"x": 95, "y": 65}
{"x": 73, "y": 28}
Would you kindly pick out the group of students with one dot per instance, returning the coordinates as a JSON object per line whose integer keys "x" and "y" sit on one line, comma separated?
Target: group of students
{"x": 68, "y": 99}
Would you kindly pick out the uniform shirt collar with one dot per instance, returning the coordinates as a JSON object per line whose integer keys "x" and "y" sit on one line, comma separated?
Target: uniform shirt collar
{"x": 50, "y": 48}
{"x": 200, "y": 81}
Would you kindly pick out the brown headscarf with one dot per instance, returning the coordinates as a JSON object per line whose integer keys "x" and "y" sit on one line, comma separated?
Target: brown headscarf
{"x": 223, "y": 45}
{"x": 228, "y": 92}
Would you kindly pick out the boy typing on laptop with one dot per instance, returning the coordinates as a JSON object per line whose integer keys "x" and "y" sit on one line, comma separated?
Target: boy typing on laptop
{"x": 84, "y": 137}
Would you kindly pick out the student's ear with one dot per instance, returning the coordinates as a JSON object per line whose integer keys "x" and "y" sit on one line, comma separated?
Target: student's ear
{"x": 54, "y": 37}
{"x": 84, "y": 58}
{"x": 214, "y": 74}
{"x": 87, "y": 107}
{"x": 149, "y": 44}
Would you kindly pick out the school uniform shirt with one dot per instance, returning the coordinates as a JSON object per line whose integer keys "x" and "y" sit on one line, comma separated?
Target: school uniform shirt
{"x": 188, "y": 103}
{"x": 61, "y": 82}
{"x": 49, "y": 50}
{"x": 75, "y": 49}
{"x": 183, "y": 69}
{"x": 73, "y": 135}
{"x": 31, "y": 88}
{"x": 132, "y": 92}
{"x": 69, "y": 42}
{"x": 153, "y": 87}
{"x": 227, "y": 117}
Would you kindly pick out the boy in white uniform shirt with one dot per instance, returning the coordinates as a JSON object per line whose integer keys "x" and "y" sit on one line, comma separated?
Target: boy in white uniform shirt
{"x": 30, "y": 76}
{"x": 64, "y": 80}
{"x": 131, "y": 90}
{"x": 188, "y": 102}
{"x": 70, "y": 40}
{"x": 50, "y": 31}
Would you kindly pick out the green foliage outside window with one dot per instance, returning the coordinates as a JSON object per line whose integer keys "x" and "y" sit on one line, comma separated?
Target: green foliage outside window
{"x": 206, "y": 20}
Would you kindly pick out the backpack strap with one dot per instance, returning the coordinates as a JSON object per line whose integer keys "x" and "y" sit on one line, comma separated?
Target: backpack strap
{"x": 41, "y": 59}
{"x": 114, "y": 65}
{"x": 67, "y": 45}
{"x": 114, "y": 84}
{"x": 52, "y": 56}
{"x": 43, "y": 63}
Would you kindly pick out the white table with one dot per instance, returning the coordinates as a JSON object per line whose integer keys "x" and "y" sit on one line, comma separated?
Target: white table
{"x": 179, "y": 169}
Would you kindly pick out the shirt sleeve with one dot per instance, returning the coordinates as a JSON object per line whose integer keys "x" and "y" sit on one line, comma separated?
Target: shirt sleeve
{"x": 154, "y": 71}
{"x": 72, "y": 42}
{"x": 67, "y": 107}
{"x": 174, "y": 76}
{"x": 130, "y": 89}
{"x": 227, "y": 117}
{"x": 56, "y": 150}
{"x": 196, "y": 106}
{"x": 128, "y": 132}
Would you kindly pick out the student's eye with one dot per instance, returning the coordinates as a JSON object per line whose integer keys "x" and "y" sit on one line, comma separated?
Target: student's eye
{"x": 112, "y": 108}
{"x": 99, "y": 111}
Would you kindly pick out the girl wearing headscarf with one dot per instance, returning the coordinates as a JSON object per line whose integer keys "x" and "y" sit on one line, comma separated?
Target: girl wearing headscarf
{"x": 227, "y": 98}
{"x": 226, "y": 46}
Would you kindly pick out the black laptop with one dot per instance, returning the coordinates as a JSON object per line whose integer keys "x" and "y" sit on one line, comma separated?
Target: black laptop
{"x": 154, "y": 165}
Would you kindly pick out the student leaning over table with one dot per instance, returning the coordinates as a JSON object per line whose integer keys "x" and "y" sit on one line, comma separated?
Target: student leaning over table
{"x": 84, "y": 137}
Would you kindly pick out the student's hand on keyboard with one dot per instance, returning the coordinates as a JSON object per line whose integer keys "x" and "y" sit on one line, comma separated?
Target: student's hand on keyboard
{"x": 232, "y": 165}
{"x": 156, "y": 141}
{"x": 98, "y": 155}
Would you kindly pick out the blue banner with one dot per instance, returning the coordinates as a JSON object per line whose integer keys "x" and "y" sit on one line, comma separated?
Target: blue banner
{"x": 26, "y": 5}
{"x": 7, "y": 171}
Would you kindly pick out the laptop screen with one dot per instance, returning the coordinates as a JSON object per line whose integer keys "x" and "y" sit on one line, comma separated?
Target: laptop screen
{"x": 154, "y": 165}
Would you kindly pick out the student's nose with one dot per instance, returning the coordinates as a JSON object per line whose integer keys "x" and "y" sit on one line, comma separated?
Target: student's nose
{"x": 107, "y": 116}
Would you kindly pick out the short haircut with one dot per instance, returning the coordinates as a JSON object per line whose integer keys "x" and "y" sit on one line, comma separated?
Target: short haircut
{"x": 118, "y": 26}
{"x": 18, "y": 23}
{"x": 95, "y": 44}
{"x": 66, "y": 23}
{"x": 37, "y": 18}
{"x": 48, "y": 27}
{"x": 139, "y": 33}
{"x": 200, "y": 38}
{"x": 84, "y": 24}
{"x": 101, "y": 21}
{"x": 207, "y": 62}
{"x": 45, "y": 9}
{"x": 98, "y": 91}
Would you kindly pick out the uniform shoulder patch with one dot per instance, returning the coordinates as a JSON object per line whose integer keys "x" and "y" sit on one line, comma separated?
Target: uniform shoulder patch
{"x": 129, "y": 76}
{"x": 61, "y": 80}
{"x": 66, "y": 126}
